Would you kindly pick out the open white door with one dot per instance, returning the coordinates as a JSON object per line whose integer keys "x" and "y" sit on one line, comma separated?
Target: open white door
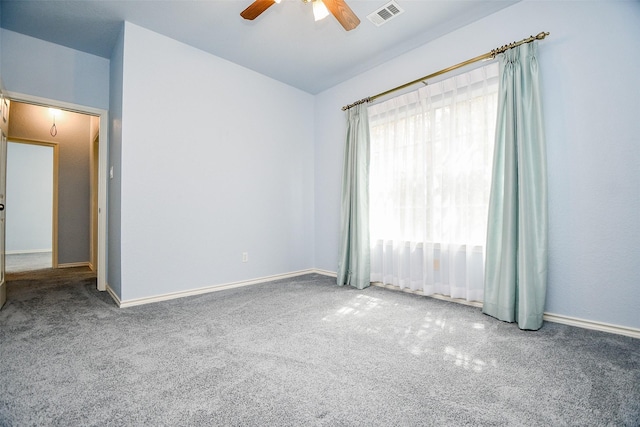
{"x": 3, "y": 186}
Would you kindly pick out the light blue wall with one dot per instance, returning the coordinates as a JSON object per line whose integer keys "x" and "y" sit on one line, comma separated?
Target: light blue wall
{"x": 591, "y": 99}
{"x": 217, "y": 160}
{"x": 35, "y": 67}
{"x": 115, "y": 156}
{"x": 29, "y": 198}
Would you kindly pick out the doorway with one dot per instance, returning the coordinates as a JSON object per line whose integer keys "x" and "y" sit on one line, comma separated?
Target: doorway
{"x": 32, "y": 206}
{"x": 93, "y": 251}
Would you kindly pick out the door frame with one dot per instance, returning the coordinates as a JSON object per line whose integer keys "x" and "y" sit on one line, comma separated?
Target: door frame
{"x": 94, "y": 168}
{"x": 3, "y": 176}
{"x": 54, "y": 208}
{"x": 103, "y": 160}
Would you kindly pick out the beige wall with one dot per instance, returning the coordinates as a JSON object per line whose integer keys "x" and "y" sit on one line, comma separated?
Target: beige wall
{"x": 74, "y": 183}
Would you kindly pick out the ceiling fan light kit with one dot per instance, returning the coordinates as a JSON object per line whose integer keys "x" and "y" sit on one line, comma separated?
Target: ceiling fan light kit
{"x": 321, "y": 8}
{"x": 320, "y": 11}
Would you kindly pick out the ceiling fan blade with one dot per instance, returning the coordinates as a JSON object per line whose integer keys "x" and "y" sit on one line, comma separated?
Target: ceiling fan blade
{"x": 343, "y": 13}
{"x": 256, "y": 8}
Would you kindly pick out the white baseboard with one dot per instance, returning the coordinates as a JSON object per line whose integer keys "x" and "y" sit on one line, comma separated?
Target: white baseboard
{"x": 590, "y": 324}
{"x": 549, "y": 317}
{"x": 325, "y": 272}
{"x": 173, "y": 295}
{"x": 113, "y": 295}
{"x": 74, "y": 264}
{"x": 28, "y": 251}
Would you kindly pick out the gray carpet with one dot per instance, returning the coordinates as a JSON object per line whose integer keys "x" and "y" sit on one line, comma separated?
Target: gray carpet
{"x": 299, "y": 352}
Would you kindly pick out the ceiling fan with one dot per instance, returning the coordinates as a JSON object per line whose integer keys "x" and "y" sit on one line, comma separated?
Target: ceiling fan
{"x": 338, "y": 8}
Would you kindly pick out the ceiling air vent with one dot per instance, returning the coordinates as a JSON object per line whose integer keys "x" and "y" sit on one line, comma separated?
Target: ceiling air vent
{"x": 385, "y": 13}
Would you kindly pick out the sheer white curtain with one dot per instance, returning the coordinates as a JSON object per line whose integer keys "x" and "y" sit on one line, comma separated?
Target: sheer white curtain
{"x": 430, "y": 177}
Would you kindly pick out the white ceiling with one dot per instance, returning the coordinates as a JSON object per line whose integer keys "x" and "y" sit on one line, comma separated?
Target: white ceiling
{"x": 283, "y": 43}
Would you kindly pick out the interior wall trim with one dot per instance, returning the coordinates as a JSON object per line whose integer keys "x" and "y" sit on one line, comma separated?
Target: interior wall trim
{"x": 74, "y": 264}
{"x": 112, "y": 294}
{"x": 55, "y": 182}
{"x": 594, "y": 325}
{"x": 550, "y": 317}
{"x": 28, "y": 251}
{"x": 173, "y": 295}
{"x": 325, "y": 272}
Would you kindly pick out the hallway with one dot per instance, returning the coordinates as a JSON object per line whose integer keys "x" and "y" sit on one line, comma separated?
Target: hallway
{"x": 16, "y": 263}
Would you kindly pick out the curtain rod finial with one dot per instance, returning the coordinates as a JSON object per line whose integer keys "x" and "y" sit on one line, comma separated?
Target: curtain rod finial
{"x": 542, "y": 35}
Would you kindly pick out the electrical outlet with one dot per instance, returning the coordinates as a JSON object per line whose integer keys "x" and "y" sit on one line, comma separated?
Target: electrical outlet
{"x": 245, "y": 256}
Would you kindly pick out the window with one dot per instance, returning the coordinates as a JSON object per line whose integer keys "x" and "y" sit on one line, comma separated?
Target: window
{"x": 430, "y": 175}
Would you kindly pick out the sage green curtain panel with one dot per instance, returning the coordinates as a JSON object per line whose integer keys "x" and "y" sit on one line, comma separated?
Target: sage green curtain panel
{"x": 354, "y": 261}
{"x": 516, "y": 252}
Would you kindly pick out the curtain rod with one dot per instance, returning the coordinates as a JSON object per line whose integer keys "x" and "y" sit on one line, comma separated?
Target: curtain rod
{"x": 488, "y": 55}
